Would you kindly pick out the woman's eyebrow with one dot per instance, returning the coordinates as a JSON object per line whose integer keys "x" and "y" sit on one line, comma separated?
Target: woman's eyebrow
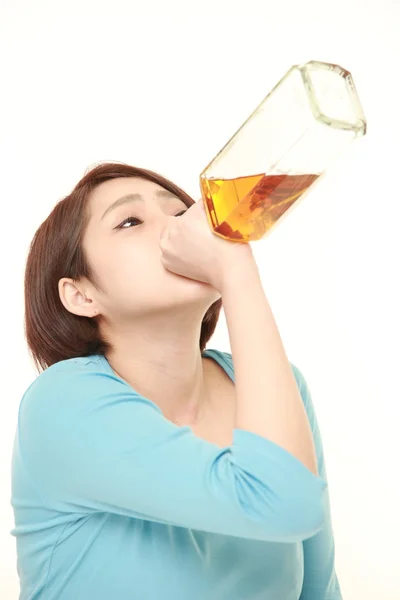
{"x": 135, "y": 197}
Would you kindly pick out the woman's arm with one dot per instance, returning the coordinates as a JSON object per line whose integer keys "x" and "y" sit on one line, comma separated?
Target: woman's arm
{"x": 268, "y": 400}
{"x": 320, "y": 579}
{"x": 91, "y": 443}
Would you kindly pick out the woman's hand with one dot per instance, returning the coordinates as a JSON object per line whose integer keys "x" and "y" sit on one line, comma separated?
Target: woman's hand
{"x": 190, "y": 248}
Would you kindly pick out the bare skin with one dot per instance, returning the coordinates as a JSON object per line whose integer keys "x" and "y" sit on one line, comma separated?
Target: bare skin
{"x": 151, "y": 315}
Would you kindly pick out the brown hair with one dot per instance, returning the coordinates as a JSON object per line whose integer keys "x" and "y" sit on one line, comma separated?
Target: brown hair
{"x": 52, "y": 332}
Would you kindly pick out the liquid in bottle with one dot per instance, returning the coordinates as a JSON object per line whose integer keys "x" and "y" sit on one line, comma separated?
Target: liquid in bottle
{"x": 245, "y": 208}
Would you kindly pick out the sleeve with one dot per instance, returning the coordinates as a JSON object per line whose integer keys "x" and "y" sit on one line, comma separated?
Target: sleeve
{"x": 91, "y": 443}
{"x": 320, "y": 579}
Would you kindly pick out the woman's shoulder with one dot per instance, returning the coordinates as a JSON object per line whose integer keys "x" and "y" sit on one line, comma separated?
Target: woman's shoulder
{"x": 67, "y": 369}
{"x": 69, "y": 382}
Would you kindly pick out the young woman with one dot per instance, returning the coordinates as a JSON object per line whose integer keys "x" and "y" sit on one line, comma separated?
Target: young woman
{"x": 146, "y": 467}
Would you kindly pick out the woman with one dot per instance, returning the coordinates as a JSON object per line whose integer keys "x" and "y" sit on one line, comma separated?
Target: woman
{"x": 144, "y": 466}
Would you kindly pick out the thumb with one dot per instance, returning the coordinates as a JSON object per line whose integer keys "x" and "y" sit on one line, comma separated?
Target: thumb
{"x": 197, "y": 206}
{"x": 200, "y": 204}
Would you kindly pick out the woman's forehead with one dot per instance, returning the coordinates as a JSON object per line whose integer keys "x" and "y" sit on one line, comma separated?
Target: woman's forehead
{"x": 112, "y": 190}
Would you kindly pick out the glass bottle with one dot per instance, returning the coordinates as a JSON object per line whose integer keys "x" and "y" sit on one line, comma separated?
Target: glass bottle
{"x": 282, "y": 149}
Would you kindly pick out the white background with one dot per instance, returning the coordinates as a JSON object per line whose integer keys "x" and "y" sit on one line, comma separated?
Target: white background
{"x": 164, "y": 85}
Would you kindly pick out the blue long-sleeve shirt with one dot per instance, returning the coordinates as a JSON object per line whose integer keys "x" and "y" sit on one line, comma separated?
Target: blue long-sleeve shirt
{"x": 112, "y": 501}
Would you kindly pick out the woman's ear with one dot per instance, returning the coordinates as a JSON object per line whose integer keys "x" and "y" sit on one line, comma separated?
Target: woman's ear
{"x": 75, "y": 300}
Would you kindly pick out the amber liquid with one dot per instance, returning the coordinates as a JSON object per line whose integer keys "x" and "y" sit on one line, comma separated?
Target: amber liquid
{"x": 245, "y": 208}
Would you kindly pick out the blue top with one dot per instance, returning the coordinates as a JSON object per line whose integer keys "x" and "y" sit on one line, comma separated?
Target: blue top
{"x": 112, "y": 501}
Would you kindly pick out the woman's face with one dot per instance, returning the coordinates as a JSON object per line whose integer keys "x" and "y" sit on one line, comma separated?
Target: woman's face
{"x": 122, "y": 246}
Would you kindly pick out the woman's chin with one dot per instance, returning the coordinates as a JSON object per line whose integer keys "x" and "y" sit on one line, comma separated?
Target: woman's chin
{"x": 194, "y": 283}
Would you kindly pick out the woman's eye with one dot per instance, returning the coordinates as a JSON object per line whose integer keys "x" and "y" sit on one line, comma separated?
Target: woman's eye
{"x": 125, "y": 221}
{"x": 131, "y": 219}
